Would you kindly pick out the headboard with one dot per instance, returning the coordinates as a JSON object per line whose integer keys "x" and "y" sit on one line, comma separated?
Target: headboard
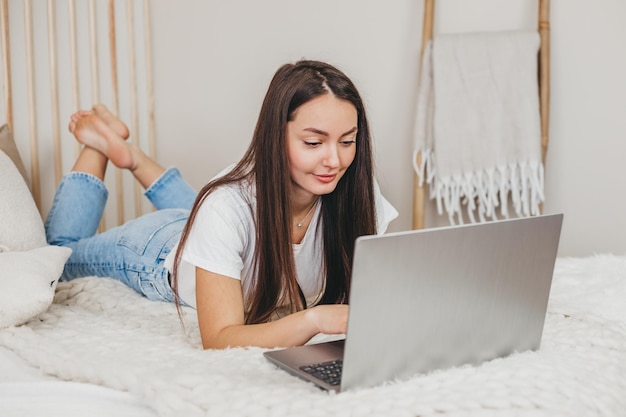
{"x": 59, "y": 56}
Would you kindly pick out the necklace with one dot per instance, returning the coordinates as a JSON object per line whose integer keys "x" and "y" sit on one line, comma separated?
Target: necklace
{"x": 301, "y": 222}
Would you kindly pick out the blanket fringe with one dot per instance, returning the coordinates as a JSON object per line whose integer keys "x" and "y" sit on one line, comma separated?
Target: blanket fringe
{"x": 482, "y": 192}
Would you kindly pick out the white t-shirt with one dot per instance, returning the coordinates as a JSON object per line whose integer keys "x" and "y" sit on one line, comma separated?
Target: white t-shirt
{"x": 223, "y": 237}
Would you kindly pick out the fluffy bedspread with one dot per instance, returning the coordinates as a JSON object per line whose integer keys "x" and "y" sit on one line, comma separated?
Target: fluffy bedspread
{"x": 100, "y": 332}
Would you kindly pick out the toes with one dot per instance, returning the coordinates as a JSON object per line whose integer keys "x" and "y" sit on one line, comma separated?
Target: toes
{"x": 110, "y": 119}
{"x": 79, "y": 115}
{"x": 100, "y": 109}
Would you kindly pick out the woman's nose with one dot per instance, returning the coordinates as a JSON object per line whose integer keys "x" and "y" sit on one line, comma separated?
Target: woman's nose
{"x": 331, "y": 158}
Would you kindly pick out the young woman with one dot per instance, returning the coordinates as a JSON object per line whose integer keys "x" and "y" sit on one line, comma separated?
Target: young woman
{"x": 264, "y": 254}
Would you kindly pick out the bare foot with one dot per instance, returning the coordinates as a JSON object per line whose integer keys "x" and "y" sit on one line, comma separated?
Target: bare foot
{"x": 90, "y": 130}
{"x": 76, "y": 116}
{"x": 109, "y": 118}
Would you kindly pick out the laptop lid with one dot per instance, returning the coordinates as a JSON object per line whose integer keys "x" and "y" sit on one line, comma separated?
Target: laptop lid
{"x": 436, "y": 298}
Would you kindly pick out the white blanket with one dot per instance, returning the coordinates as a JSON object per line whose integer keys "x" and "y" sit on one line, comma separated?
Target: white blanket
{"x": 100, "y": 332}
{"x": 478, "y": 124}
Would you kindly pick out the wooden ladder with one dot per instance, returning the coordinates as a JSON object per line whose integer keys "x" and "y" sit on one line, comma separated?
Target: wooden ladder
{"x": 419, "y": 195}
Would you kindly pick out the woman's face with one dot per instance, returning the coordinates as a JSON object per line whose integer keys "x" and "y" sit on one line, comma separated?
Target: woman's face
{"x": 321, "y": 143}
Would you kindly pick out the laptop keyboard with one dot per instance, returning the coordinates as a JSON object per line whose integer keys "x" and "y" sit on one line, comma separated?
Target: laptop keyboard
{"x": 329, "y": 372}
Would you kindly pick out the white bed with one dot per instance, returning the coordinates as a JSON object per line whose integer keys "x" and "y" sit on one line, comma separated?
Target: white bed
{"x": 94, "y": 347}
{"x": 125, "y": 355}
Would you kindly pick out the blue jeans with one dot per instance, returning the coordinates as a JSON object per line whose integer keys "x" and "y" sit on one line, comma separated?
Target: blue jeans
{"x": 133, "y": 253}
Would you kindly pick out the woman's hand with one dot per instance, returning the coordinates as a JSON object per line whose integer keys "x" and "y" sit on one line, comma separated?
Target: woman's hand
{"x": 329, "y": 318}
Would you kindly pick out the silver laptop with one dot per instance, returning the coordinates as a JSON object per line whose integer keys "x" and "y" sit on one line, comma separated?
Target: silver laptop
{"x": 437, "y": 298}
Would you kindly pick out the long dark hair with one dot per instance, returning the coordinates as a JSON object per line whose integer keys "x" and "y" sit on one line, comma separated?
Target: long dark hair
{"x": 347, "y": 212}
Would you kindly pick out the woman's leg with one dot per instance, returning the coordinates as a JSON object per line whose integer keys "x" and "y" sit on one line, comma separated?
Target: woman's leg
{"x": 76, "y": 209}
{"x": 171, "y": 191}
{"x": 104, "y": 133}
{"x": 132, "y": 253}
{"x": 81, "y": 196}
{"x": 99, "y": 130}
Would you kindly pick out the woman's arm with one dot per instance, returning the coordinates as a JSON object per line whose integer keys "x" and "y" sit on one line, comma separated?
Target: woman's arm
{"x": 220, "y": 310}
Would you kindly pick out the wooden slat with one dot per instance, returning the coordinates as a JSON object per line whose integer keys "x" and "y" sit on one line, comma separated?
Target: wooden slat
{"x": 32, "y": 104}
{"x": 93, "y": 53}
{"x": 149, "y": 82}
{"x": 134, "y": 119}
{"x": 544, "y": 74}
{"x": 94, "y": 69}
{"x": 54, "y": 92}
{"x": 115, "y": 107}
{"x": 419, "y": 191}
{"x": 6, "y": 63}
{"x": 71, "y": 11}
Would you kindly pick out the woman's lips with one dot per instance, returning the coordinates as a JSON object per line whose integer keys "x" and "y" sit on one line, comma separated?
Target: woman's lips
{"x": 325, "y": 178}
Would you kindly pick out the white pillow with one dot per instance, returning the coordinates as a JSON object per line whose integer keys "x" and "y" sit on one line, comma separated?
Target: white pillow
{"x": 29, "y": 268}
{"x": 21, "y": 227}
{"x": 28, "y": 280}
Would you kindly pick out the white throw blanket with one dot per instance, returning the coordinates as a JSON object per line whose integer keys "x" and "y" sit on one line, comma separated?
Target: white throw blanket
{"x": 99, "y": 331}
{"x": 478, "y": 124}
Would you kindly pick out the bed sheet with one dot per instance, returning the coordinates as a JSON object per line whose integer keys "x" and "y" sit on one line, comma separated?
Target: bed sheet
{"x": 26, "y": 391}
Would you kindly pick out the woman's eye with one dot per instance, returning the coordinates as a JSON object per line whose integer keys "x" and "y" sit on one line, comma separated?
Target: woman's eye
{"x": 311, "y": 143}
{"x": 348, "y": 142}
